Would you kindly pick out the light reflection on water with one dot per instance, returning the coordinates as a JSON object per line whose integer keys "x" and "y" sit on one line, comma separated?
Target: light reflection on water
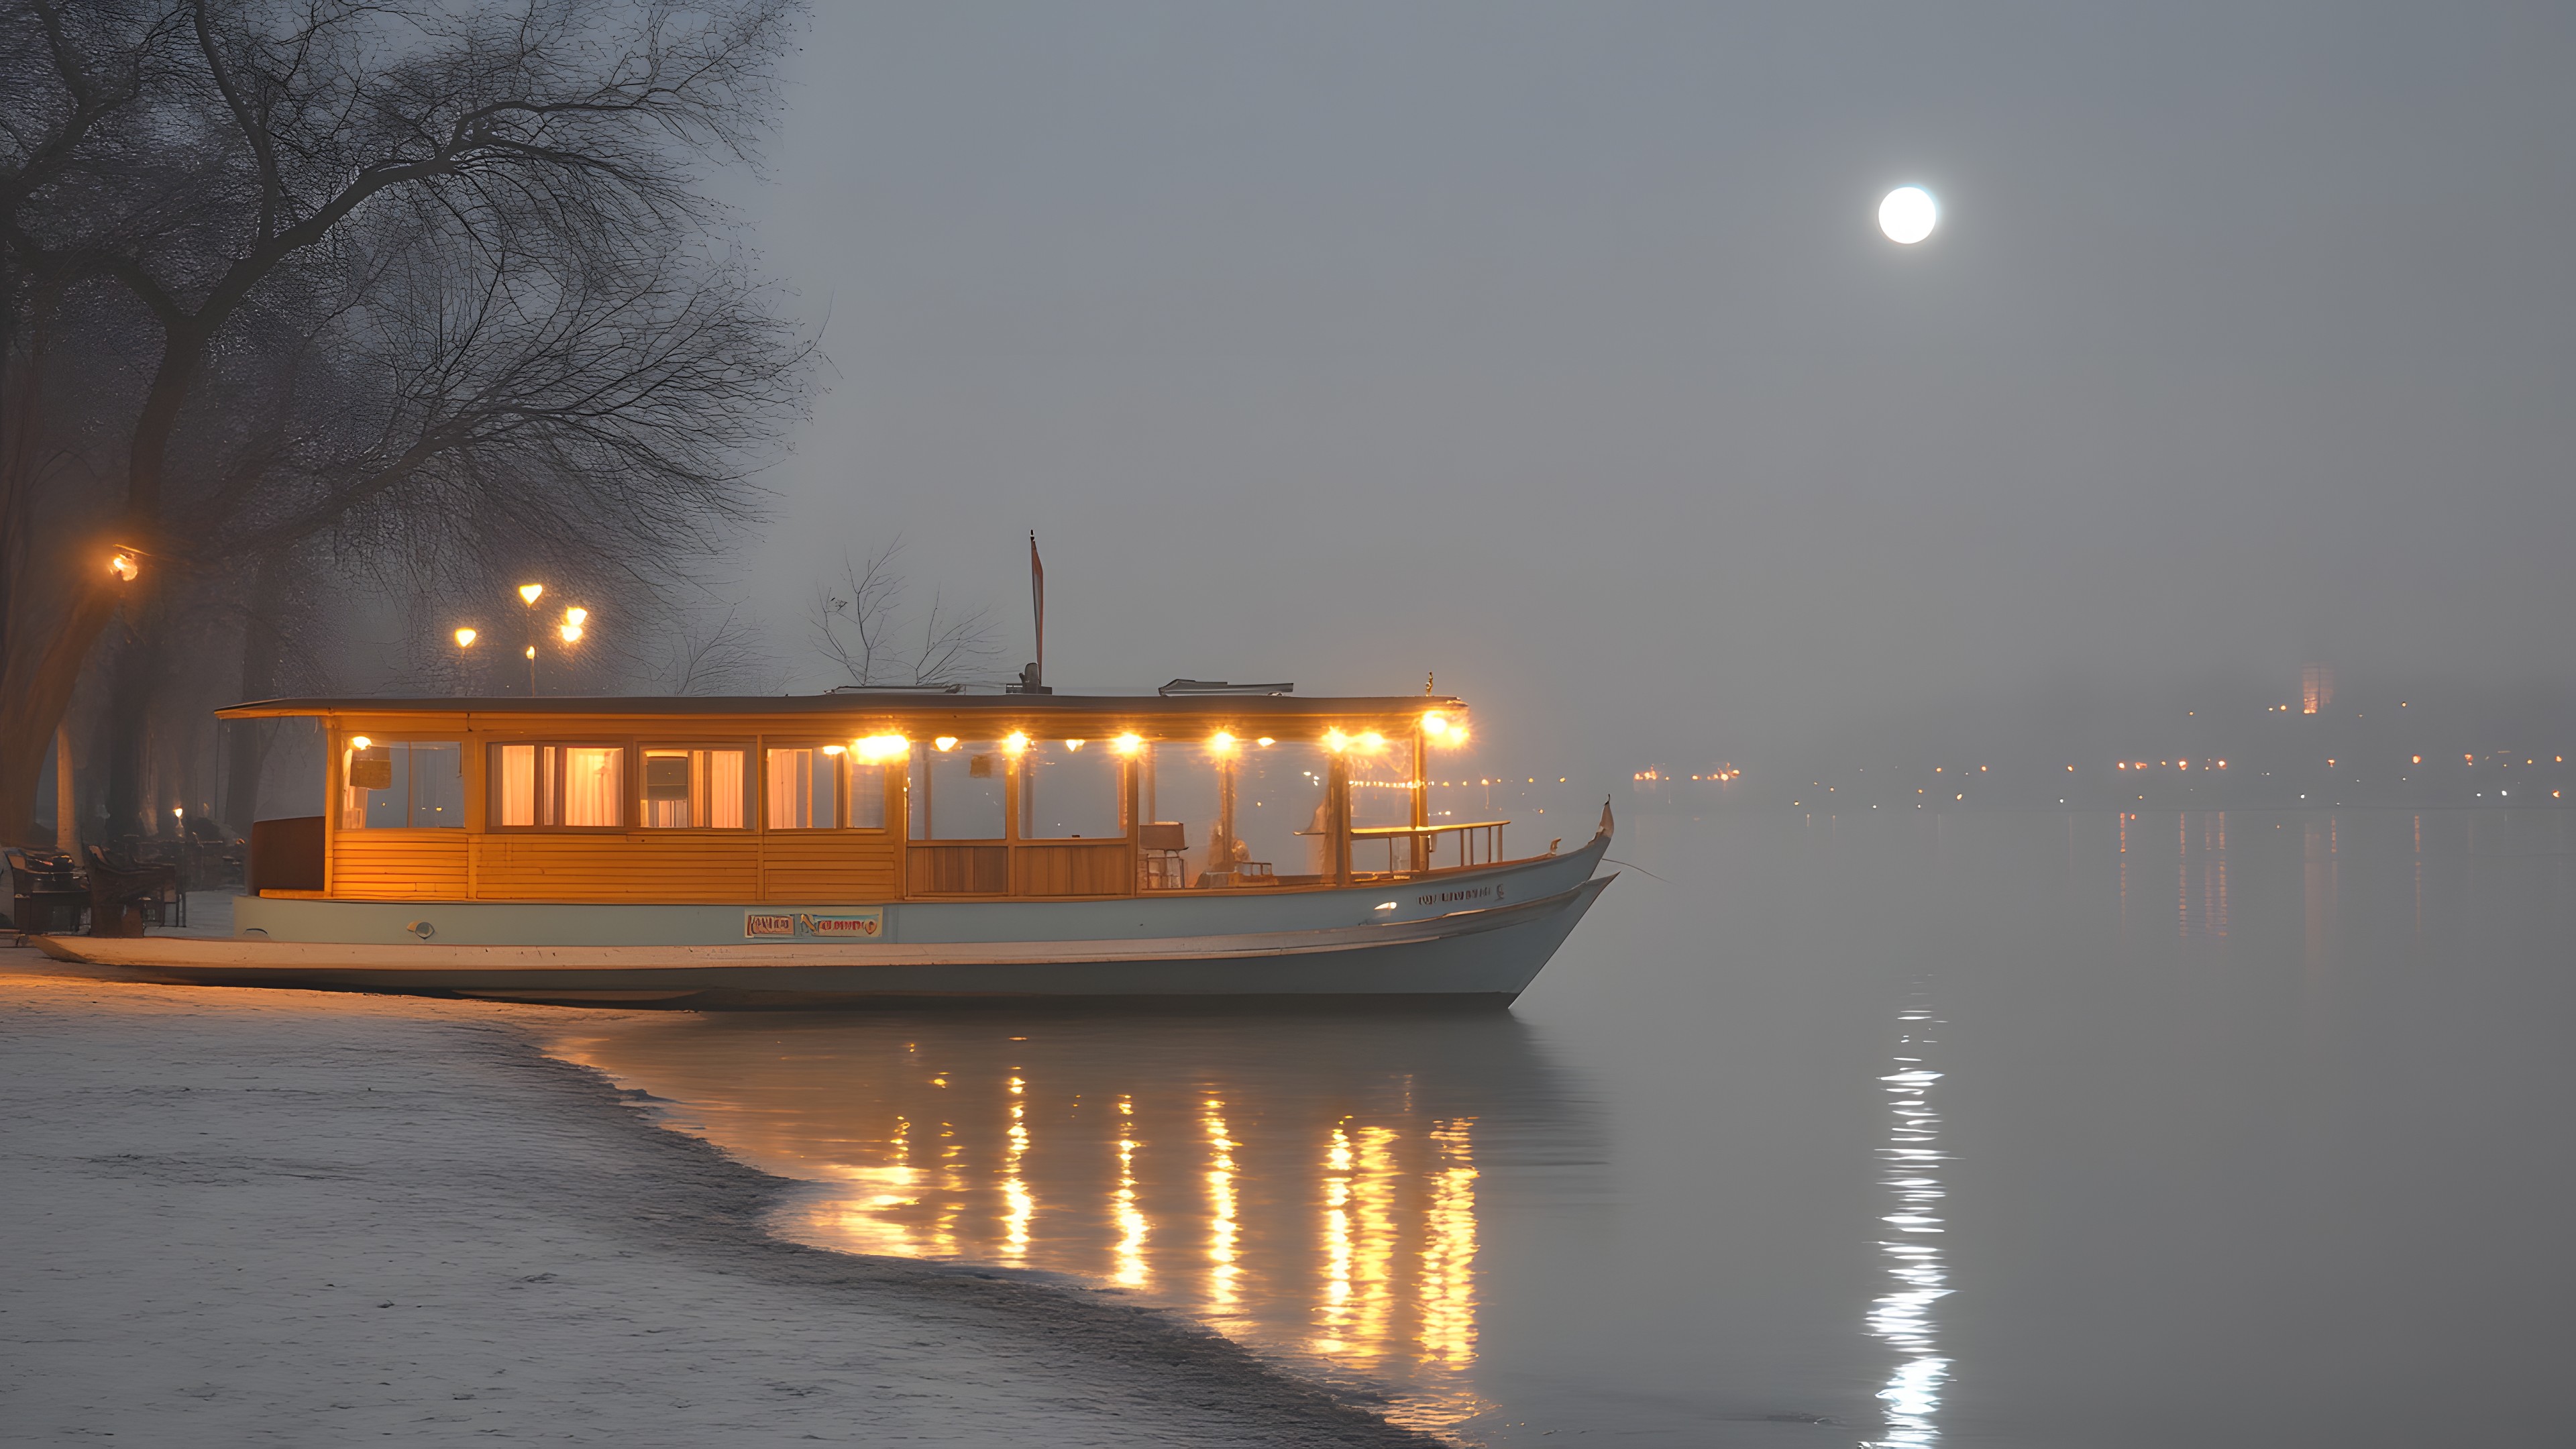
{"x": 1306, "y": 1185}
{"x": 1903, "y": 1316}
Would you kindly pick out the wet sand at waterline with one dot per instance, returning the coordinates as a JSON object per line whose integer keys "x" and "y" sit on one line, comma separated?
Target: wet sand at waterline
{"x": 276, "y": 1217}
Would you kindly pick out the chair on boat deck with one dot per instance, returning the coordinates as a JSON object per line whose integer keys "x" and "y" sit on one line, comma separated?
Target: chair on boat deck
{"x": 47, "y": 894}
{"x": 1160, "y": 844}
{"x": 126, "y": 895}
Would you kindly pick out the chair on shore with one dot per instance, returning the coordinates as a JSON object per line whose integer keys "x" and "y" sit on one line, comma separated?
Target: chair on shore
{"x": 126, "y": 895}
{"x": 47, "y": 895}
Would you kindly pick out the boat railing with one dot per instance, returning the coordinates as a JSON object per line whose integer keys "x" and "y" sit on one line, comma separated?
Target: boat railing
{"x": 1471, "y": 834}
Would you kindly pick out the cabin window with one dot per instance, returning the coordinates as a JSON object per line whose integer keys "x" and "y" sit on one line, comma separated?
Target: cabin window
{"x": 816, "y": 787}
{"x": 867, "y": 795}
{"x": 804, "y": 789}
{"x": 1237, "y": 811}
{"x": 693, "y": 789}
{"x": 957, "y": 793}
{"x": 405, "y": 785}
{"x": 1281, "y": 812}
{"x": 1070, "y": 790}
{"x": 582, "y": 786}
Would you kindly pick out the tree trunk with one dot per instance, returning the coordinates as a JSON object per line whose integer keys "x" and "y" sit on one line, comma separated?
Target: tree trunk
{"x": 129, "y": 728}
{"x": 35, "y": 689}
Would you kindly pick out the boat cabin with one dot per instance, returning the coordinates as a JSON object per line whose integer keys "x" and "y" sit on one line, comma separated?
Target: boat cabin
{"x": 868, "y": 796}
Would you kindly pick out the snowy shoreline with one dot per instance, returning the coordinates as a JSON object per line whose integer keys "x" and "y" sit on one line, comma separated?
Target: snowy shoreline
{"x": 297, "y": 1218}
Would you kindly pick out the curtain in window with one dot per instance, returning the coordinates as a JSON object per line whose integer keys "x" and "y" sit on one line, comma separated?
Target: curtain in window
{"x": 723, "y": 788}
{"x": 594, "y": 785}
{"x": 518, "y": 776}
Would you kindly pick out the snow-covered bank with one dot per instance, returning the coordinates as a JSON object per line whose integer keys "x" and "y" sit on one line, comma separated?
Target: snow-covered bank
{"x": 289, "y": 1218}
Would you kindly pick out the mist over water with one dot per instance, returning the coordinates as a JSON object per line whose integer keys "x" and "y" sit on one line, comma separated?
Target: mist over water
{"x": 2212, "y": 1127}
{"x": 1558, "y": 351}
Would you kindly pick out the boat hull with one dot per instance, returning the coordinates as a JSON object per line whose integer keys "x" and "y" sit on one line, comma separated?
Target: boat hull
{"x": 1404, "y": 946}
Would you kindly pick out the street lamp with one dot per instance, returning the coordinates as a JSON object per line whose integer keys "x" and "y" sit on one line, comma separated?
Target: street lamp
{"x": 528, "y": 595}
{"x": 465, "y": 638}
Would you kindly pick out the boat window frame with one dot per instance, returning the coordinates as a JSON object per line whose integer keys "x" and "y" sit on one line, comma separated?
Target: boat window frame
{"x": 892, "y": 783}
{"x": 755, "y": 763}
{"x": 341, "y": 757}
{"x": 631, "y": 796}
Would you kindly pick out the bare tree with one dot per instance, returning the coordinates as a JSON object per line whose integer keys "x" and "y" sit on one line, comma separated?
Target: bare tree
{"x": 857, "y": 623}
{"x": 428, "y": 285}
{"x": 721, "y": 656}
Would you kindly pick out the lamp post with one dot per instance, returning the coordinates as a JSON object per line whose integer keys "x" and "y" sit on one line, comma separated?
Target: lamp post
{"x": 528, "y": 595}
{"x": 465, "y": 638}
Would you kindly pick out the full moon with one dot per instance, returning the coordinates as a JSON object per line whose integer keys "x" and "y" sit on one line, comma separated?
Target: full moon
{"x": 1907, "y": 215}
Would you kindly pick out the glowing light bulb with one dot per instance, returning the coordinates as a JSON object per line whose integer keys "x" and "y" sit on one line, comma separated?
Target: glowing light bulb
{"x": 1336, "y": 741}
{"x": 1075, "y": 744}
{"x": 124, "y": 567}
{"x": 832, "y": 749}
{"x": 360, "y": 742}
{"x": 528, "y": 593}
{"x": 571, "y": 633}
{"x": 1015, "y": 742}
{"x": 576, "y": 616}
{"x": 1130, "y": 744}
{"x": 945, "y": 743}
{"x": 465, "y": 638}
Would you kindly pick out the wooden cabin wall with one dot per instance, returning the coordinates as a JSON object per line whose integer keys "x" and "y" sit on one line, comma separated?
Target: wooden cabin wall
{"x": 408, "y": 865}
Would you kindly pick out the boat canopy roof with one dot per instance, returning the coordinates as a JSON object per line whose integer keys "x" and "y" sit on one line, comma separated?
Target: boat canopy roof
{"x": 1102, "y": 714}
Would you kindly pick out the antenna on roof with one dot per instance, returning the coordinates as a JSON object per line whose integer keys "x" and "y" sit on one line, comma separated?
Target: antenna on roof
{"x": 1033, "y": 678}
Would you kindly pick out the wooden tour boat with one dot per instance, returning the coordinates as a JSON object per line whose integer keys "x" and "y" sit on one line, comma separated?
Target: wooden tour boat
{"x": 885, "y": 846}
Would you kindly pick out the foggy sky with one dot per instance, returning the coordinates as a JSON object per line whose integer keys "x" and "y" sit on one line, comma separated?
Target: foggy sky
{"x": 1555, "y": 348}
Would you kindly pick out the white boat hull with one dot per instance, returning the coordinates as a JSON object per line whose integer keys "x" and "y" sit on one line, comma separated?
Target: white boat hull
{"x": 1408, "y": 939}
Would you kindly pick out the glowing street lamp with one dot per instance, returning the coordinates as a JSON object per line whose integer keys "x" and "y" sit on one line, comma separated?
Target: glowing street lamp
{"x": 528, "y": 595}
{"x": 125, "y": 566}
{"x": 465, "y": 638}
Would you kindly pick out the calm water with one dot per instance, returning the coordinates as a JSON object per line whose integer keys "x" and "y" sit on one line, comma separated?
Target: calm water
{"x": 1978, "y": 1130}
